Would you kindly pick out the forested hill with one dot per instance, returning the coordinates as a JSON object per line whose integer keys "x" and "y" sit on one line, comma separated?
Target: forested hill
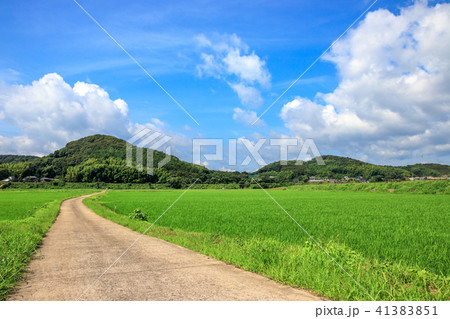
{"x": 428, "y": 169}
{"x": 15, "y": 158}
{"x": 338, "y": 167}
{"x": 102, "y": 158}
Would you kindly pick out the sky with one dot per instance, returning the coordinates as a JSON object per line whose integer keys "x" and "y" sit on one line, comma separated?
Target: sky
{"x": 226, "y": 70}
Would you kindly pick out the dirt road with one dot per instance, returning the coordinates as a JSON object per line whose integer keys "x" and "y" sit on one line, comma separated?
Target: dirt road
{"x": 82, "y": 245}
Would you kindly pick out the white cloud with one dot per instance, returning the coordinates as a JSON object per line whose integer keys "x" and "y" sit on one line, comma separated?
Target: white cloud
{"x": 393, "y": 100}
{"x": 248, "y": 95}
{"x": 228, "y": 58}
{"x": 210, "y": 67}
{"x": 49, "y": 113}
{"x": 249, "y": 68}
{"x": 246, "y": 117}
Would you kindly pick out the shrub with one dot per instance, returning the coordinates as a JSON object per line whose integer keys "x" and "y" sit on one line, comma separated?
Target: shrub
{"x": 137, "y": 214}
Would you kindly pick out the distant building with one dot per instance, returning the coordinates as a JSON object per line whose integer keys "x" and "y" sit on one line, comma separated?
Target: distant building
{"x": 31, "y": 179}
{"x": 436, "y": 178}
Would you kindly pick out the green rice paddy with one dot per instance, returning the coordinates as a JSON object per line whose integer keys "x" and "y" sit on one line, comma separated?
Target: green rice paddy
{"x": 25, "y": 217}
{"x": 394, "y": 245}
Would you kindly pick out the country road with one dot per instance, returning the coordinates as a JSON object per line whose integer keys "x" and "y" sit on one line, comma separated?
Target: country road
{"x": 81, "y": 245}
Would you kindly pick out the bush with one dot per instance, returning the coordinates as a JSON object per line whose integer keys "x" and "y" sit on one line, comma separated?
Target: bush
{"x": 174, "y": 182}
{"x": 137, "y": 214}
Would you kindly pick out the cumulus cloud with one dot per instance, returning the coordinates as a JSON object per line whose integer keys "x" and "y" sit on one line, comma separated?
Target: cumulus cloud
{"x": 229, "y": 58}
{"x": 393, "y": 100}
{"x": 248, "y": 68}
{"x": 50, "y": 112}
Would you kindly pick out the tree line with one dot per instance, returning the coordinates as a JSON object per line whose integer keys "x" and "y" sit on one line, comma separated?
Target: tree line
{"x": 101, "y": 158}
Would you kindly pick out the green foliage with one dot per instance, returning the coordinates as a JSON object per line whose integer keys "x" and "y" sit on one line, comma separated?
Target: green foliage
{"x": 16, "y": 158}
{"x": 395, "y": 245}
{"x": 337, "y": 167}
{"x": 139, "y": 215}
{"x": 4, "y": 173}
{"x": 18, "y": 170}
{"x": 101, "y": 158}
{"x": 174, "y": 182}
{"x": 428, "y": 169}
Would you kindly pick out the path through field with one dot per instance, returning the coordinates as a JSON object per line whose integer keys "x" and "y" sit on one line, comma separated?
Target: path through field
{"x": 82, "y": 245}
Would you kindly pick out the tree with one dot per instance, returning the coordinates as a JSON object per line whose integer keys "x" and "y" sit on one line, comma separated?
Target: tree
{"x": 174, "y": 182}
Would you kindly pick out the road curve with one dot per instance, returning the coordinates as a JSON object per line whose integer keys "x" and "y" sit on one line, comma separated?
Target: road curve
{"x": 81, "y": 245}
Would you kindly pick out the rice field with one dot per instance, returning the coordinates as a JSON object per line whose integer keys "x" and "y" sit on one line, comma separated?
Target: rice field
{"x": 25, "y": 217}
{"x": 394, "y": 245}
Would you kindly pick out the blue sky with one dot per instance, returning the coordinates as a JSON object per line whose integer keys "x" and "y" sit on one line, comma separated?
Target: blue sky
{"x": 279, "y": 40}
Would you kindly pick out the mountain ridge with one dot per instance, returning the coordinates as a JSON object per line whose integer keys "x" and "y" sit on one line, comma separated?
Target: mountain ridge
{"x": 101, "y": 158}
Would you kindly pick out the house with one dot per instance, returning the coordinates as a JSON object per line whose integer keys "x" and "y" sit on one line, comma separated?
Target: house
{"x": 31, "y": 179}
{"x": 436, "y": 178}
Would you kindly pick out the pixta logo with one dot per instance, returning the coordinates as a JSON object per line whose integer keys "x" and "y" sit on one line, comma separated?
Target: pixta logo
{"x": 150, "y": 140}
{"x": 253, "y": 150}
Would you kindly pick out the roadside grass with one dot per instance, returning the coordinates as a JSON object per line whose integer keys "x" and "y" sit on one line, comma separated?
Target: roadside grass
{"x": 395, "y": 246}
{"x": 25, "y": 217}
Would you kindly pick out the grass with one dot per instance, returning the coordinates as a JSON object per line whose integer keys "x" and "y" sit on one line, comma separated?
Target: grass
{"x": 25, "y": 217}
{"x": 394, "y": 245}
{"x": 417, "y": 187}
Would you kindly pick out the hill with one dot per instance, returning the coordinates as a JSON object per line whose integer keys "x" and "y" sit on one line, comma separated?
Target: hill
{"x": 428, "y": 169}
{"x": 337, "y": 167}
{"x": 15, "y": 158}
{"x": 102, "y": 158}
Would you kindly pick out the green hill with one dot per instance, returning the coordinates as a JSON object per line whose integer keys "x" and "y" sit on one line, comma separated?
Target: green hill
{"x": 102, "y": 158}
{"x": 428, "y": 169}
{"x": 337, "y": 167}
{"x": 104, "y": 147}
{"x": 15, "y": 158}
